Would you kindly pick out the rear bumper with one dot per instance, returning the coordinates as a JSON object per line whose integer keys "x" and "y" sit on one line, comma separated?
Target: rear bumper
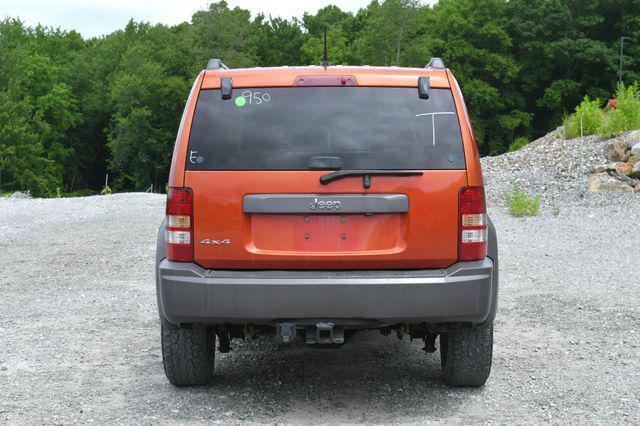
{"x": 464, "y": 292}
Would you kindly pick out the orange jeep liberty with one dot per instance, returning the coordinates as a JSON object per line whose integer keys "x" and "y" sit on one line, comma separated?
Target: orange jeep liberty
{"x": 313, "y": 202}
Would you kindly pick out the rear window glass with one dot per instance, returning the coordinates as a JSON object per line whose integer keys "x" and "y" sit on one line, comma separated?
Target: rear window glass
{"x": 366, "y": 127}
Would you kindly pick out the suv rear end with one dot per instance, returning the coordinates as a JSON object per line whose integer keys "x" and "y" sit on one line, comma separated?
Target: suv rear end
{"x": 315, "y": 202}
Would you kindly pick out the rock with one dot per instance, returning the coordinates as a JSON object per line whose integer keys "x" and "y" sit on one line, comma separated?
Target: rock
{"x": 603, "y": 168}
{"x": 617, "y": 151}
{"x": 626, "y": 179}
{"x": 635, "y": 150}
{"x": 603, "y": 182}
{"x": 637, "y": 190}
{"x": 632, "y": 138}
{"x": 19, "y": 194}
{"x": 634, "y": 159}
{"x": 624, "y": 168}
{"x": 635, "y": 171}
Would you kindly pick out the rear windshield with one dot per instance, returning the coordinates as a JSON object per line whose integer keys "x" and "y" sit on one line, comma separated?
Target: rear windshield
{"x": 365, "y": 127}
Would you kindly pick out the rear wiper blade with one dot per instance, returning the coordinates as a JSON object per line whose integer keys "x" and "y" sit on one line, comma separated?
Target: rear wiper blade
{"x": 330, "y": 177}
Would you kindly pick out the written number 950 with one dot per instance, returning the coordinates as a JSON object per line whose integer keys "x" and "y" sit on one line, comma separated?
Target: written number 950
{"x": 255, "y": 97}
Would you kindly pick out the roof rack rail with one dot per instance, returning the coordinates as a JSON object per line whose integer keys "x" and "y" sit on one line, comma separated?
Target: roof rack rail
{"x": 436, "y": 63}
{"x": 216, "y": 64}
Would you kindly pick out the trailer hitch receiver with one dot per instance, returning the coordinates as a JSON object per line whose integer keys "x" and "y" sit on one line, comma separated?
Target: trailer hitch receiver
{"x": 325, "y": 333}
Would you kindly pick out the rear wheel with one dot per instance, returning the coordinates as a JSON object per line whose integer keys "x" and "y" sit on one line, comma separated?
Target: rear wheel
{"x": 188, "y": 354}
{"x": 465, "y": 355}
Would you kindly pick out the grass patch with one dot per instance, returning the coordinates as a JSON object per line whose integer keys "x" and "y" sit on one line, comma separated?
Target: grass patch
{"x": 592, "y": 119}
{"x": 518, "y": 143}
{"x": 605, "y": 122}
{"x": 520, "y": 204}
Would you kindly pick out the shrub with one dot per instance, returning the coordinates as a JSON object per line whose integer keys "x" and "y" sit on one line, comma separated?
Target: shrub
{"x": 520, "y": 204}
{"x": 626, "y": 115}
{"x": 106, "y": 190}
{"x": 518, "y": 143}
{"x": 592, "y": 119}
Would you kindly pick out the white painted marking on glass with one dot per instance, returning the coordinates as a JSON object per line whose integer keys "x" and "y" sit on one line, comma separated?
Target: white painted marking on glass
{"x": 436, "y": 113}
{"x": 433, "y": 121}
{"x": 433, "y": 127}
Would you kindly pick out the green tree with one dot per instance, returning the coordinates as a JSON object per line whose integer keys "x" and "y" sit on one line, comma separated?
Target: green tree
{"x": 338, "y": 24}
{"x": 147, "y": 107}
{"x": 276, "y": 41}
{"x": 387, "y": 27}
{"x": 560, "y": 61}
{"x": 223, "y": 33}
{"x": 471, "y": 36}
{"x": 23, "y": 165}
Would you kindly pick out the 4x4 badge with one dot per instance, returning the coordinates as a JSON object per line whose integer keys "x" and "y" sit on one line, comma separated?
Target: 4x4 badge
{"x": 215, "y": 242}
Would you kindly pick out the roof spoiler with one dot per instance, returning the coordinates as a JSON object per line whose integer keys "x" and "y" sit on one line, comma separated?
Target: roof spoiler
{"x": 436, "y": 63}
{"x": 216, "y": 64}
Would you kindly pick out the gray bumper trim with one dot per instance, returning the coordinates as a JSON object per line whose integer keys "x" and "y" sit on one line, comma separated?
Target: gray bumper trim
{"x": 460, "y": 293}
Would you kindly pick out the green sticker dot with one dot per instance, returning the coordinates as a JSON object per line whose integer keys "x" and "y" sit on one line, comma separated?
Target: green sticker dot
{"x": 241, "y": 101}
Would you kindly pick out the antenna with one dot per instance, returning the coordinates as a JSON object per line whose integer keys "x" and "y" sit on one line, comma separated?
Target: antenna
{"x": 325, "y": 61}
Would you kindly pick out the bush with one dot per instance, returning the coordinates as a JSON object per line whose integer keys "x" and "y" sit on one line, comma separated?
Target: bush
{"x": 518, "y": 143}
{"x": 592, "y": 119}
{"x": 520, "y": 204}
{"x": 626, "y": 115}
{"x": 106, "y": 190}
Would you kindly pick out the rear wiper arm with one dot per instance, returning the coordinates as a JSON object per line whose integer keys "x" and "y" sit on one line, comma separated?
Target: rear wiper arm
{"x": 366, "y": 174}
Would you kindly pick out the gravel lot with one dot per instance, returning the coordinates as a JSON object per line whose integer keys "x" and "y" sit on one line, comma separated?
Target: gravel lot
{"x": 80, "y": 335}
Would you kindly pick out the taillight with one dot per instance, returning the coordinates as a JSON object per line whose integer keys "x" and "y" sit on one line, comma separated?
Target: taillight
{"x": 473, "y": 224}
{"x": 178, "y": 232}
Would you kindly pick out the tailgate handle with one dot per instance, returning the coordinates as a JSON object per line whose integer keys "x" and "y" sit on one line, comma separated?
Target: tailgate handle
{"x": 325, "y": 203}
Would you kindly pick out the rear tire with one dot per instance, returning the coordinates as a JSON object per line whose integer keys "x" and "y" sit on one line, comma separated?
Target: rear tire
{"x": 465, "y": 355}
{"x": 188, "y": 354}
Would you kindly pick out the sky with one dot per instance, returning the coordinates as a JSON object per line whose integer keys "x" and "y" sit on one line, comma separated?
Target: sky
{"x": 98, "y": 17}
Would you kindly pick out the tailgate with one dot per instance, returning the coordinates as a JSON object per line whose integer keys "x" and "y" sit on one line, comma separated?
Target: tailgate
{"x": 243, "y": 220}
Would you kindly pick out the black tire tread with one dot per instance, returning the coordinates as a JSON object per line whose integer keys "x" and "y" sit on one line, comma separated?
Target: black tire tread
{"x": 466, "y": 355}
{"x": 188, "y": 354}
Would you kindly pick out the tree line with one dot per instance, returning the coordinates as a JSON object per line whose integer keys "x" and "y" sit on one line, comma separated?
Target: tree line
{"x": 73, "y": 109}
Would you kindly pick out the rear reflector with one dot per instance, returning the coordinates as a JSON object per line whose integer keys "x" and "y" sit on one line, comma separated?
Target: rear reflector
{"x": 474, "y": 236}
{"x": 177, "y": 237}
{"x": 473, "y": 224}
{"x": 178, "y": 225}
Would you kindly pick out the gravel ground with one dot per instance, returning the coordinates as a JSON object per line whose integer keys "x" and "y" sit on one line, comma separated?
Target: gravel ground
{"x": 552, "y": 167}
{"x": 80, "y": 335}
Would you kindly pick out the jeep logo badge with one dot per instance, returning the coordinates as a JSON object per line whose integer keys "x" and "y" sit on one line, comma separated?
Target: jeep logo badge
{"x": 324, "y": 205}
